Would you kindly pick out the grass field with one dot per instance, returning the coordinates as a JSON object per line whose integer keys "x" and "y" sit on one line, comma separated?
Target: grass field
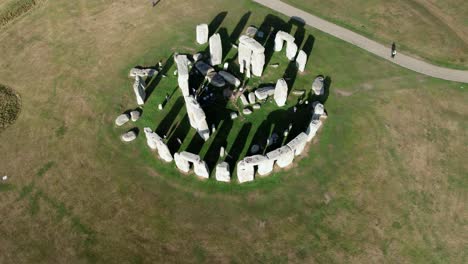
{"x": 385, "y": 182}
{"x": 435, "y": 30}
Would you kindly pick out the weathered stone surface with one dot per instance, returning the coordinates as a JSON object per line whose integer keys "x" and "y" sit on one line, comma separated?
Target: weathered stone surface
{"x": 222, "y": 172}
{"x": 233, "y": 115}
{"x": 181, "y": 163}
{"x": 318, "y": 86}
{"x": 251, "y": 56}
{"x": 301, "y": 60}
{"x": 251, "y": 98}
{"x": 183, "y": 73}
{"x": 247, "y": 111}
{"x": 200, "y": 169}
{"x": 243, "y": 100}
{"x": 244, "y": 57}
{"x": 258, "y": 63}
{"x": 283, "y": 156}
{"x": 264, "y": 92}
{"x": 146, "y": 72}
{"x": 129, "y": 136}
{"x": 280, "y": 38}
{"x": 251, "y": 31}
{"x": 190, "y": 157}
{"x": 230, "y": 78}
{"x": 291, "y": 51}
{"x": 256, "y": 106}
{"x": 298, "y": 143}
{"x": 204, "y": 68}
{"x": 202, "y": 33}
{"x": 216, "y": 49}
{"x": 122, "y": 119}
{"x": 245, "y": 173}
{"x": 281, "y": 92}
{"x": 252, "y": 44}
{"x": 312, "y": 129}
{"x": 135, "y": 115}
{"x": 197, "y": 56}
{"x": 217, "y": 80}
{"x": 139, "y": 89}
{"x": 266, "y": 167}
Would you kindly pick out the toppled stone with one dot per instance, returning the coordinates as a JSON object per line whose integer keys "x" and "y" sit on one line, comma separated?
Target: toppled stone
{"x": 154, "y": 141}
{"x": 216, "y": 80}
{"x": 318, "y": 108}
{"x": 225, "y": 66}
{"x": 275, "y": 65}
{"x": 197, "y": 56}
{"x": 202, "y": 33}
{"x": 233, "y": 115}
{"x": 197, "y": 117}
{"x": 251, "y": 98}
{"x": 222, "y": 172}
{"x": 222, "y": 152}
{"x": 243, "y": 100}
{"x": 146, "y": 72}
{"x": 122, "y": 119}
{"x": 183, "y": 73}
{"x": 151, "y": 138}
{"x": 301, "y": 60}
{"x": 230, "y": 78}
{"x": 135, "y": 115}
{"x": 318, "y": 86}
{"x": 216, "y": 49}
{"x": 139, "y": 89}
{"x": 204, "y": 68}
{"x": 256, "y": 106}
{"x": 129, "y": 136}
{"x": 281, "y": 92}
{"x": 264, "y": 92}
{"x": 247, "y": 111}
{"x": 298, "y": 92}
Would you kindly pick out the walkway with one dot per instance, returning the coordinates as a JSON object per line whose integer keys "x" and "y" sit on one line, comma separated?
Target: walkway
{"x": 367, "y": 44}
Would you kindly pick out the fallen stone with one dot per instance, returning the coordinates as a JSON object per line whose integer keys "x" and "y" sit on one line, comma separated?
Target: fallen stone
{"x": 197, "y": 56}
{"x": 129, "y": 136}
{"x": 222, "y": 172}
{"x": 233, "y": 115}
{"x": 247, "y": 111}
{"x": 139, "y": 89}
{"x": 251, "y": 31}
{"x": 183, "y": 73}
{"x": 202, "y": 33}
{"x": 151, "y": 138}
{"x": 146, "y": 72}
{"x": 264, "y": 92}
{"x": 217, "y": 80}
{"x": 298, "y": 92}
{"x": 122, "y": 119}
{"x": 204, "y": 68}
{"x": 318, "y": 108}
{"x": 230, "y": 78}
{"x": 256, "y": 106}
{"x": 274, "y": 65}
{"x": 281, "y": 92}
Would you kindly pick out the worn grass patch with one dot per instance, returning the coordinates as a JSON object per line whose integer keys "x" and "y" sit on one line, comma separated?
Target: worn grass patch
{"x": 10, "y": 105}
{"x": 12, "y": 9}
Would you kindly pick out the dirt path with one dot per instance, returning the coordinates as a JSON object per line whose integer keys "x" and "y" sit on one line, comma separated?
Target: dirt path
{"x": 367, "y": 44}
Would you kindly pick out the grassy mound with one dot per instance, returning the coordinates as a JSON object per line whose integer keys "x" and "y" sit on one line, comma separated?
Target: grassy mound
{"x": 10, "y": 106}
{"x": 13, "y": 9}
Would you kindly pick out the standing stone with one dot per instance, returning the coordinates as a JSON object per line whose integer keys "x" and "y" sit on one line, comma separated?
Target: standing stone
{"x": 312, "y": 129}
{"x": 222, "y": 172}
{"x": 283, "y": 156}
{"x": 317, "y": 85}
{"x": 266, "y": 167}
{"x": 318, "y": 109}
{"x": 181, "y": 163}
{"x": 256, "y": 106}
{"x": 298, "y": 143}
{"x": 154, "y": 141}
{"x": 251, "y": 98}
{"x": 151, "y": 138}
{"x": 216, "y": 49}
{"x": 258, "y": 62}
{"x": 301, "y": 60}
{"x": 243, "y": 100}
{"x": 245, "y": 173}
{"x": 160, "y": 107}
{"x": 135, "y": 114}
{"x": 280, "y": 38}
{"x": 247, "y": 111}
{"x": 244, "y": 57}
{"x": 251, "y": 56}
{"x": 200, "y": 169}
{"x": 122, "y": 119}
{"x": 202, "y": 33}
{"x": 233, "y": 115}
{"x": 230, "y": 78}
{"x": 281, "y": 92}
{"x": 129, "y": 136}
{"x": 291, "y": 51}
{"x": 183, "y": 73}
{"x": 139, "y": 89}
{"x": 222, "y": 152}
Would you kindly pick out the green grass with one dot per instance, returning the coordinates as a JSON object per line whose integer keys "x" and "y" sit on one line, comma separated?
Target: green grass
{"x": 433, "y": 30}
{"x": 392, "y": 151}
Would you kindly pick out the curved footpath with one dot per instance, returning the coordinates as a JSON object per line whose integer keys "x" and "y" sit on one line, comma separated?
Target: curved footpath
{"x": 367, "y": 44}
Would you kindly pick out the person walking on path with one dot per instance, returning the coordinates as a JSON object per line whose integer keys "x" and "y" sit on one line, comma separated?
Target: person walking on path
{"x": 393, "y": 50}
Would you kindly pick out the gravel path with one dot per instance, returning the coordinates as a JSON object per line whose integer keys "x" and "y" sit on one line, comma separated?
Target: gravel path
{"x": 367, "y": 44}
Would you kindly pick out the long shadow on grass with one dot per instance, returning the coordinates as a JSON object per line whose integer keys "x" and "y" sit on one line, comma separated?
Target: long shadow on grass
{"x": 236, "y": 34}
{"x": 216, "y": 22}
{"x": 167, "y": 122}
{"x": 234, "y": 152}
{"x": 180, "y": 133}
{"x": 155, "y": 80}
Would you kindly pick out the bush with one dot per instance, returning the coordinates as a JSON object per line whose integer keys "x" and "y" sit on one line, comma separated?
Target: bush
{"x": 10, "y": 106}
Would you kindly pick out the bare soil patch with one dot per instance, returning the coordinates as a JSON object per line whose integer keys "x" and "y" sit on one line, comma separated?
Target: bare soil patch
{"x": 10, "y": 106}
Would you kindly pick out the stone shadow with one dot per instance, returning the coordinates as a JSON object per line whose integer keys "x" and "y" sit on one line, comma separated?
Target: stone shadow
{"x": 234, "y": 152}
{"x": 308, "y": 46}
{"x": 181, "y": 129}
{"x": 212, "y": 155}
{"x": 236, "y": 33}
{"x": 216, "y": 22}
{"x": 164, "y": 126}
{"x": 151, "y": 85}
